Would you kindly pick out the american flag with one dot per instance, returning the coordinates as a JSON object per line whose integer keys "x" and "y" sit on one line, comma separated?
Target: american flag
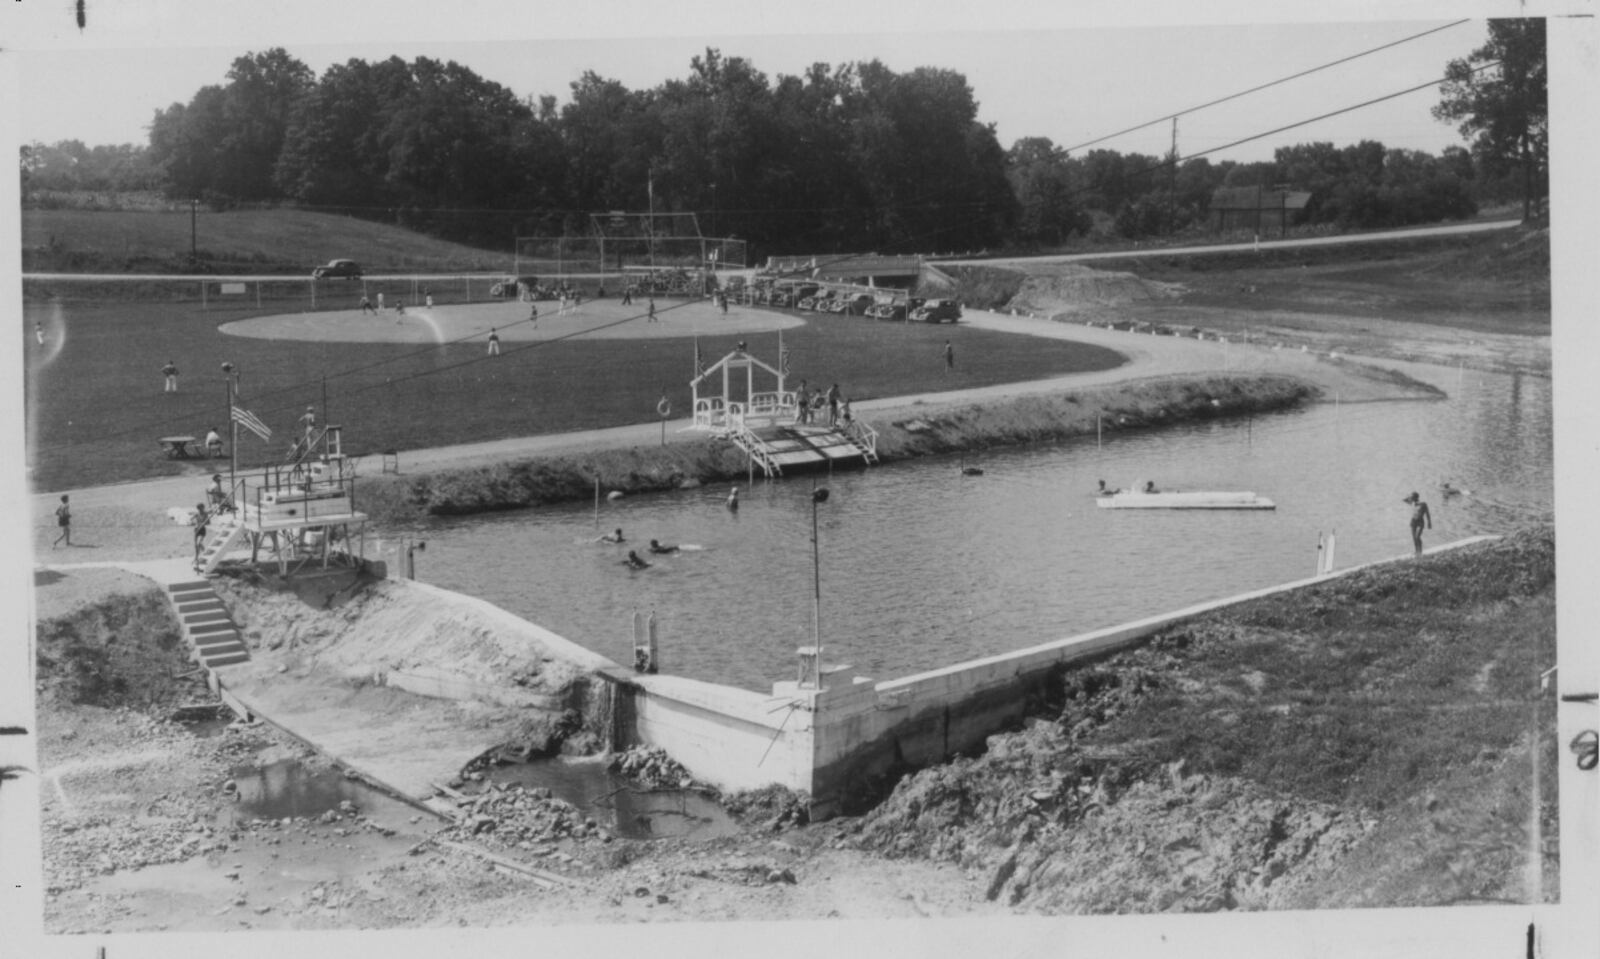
{"x": 699, "y": 364}
{"x": 251, "y": 422}
{"x": 783, "y": 362}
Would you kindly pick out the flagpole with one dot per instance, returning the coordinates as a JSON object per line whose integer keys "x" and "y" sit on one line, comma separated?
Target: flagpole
{"x": 233, "y": 440}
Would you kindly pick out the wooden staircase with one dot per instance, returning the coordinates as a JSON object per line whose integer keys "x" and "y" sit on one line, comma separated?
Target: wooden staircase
{"x": 206, "y": 624}
{"x": 223, "y": 531}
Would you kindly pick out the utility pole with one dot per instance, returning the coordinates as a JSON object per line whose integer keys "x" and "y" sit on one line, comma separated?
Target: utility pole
{"x": 1172, "y": 182}
{"x": 194, "y": 204}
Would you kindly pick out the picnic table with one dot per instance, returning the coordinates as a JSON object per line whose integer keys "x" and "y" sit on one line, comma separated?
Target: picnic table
{"x": 180, "y": 447}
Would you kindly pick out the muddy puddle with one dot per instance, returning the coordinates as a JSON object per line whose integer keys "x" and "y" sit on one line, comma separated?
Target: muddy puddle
{"x": 618, "y": 804}
{"x": 290, "y": 789}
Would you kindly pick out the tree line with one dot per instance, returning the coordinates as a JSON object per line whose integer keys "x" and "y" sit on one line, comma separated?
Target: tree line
{"x": 853, "y": 156}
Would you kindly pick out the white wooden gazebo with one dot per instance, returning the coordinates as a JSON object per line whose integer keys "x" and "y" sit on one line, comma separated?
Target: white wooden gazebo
{"x": 731, "y": 410}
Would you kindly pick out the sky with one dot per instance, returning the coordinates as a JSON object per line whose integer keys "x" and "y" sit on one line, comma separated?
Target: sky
{"x": 1069, "y": 84}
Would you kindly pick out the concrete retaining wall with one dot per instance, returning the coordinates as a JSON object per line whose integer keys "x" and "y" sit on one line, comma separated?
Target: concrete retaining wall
{"x": 924, "y": 718}
{"x": 733, "y": 738}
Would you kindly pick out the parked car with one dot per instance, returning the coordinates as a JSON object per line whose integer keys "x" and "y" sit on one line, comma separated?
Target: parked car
{"x": 937, "y": 311}
{"x": 887, "y": 311}
{"x": 348, "y": 269}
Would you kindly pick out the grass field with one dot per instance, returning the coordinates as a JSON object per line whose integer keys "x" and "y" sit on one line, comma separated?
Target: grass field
{"x": 264, "y": 241}
{"x": 95, "y": 400}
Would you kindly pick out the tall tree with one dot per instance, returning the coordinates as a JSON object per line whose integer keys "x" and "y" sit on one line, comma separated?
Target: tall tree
{"x": 1042, "y": 180}
{"x": 1497, "y": 96}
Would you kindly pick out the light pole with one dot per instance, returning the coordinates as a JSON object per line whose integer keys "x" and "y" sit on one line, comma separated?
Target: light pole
{"x": 818, "y": 495}
{"x": 411, "y": 562}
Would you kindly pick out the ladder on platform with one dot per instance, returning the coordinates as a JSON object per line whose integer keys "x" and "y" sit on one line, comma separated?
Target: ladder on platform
{"x": 756, "y": 449}
{"x": 223, "y": 532}
{"x": 863, "y": 438}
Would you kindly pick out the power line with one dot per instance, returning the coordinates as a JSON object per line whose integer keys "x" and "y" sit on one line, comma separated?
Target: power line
{"x": 1264, "y": 86}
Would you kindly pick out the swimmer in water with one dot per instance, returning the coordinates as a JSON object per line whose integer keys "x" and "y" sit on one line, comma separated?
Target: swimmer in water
{"x": 634, "y": 561}
{"x": 1150, "y": 487}
{"x": 658, "y": 547}
{"x": 615, "y": 537}
{"x": 733, "y": 498}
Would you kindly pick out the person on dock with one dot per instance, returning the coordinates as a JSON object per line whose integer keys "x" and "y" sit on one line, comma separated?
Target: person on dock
{"x": 366, "y": 306}
{"x": 1420, "y": 516}
{"x": 170, "y": 371}
{"x": 949, "y": 357}
{"x": 833, "y": 405}
{"x": 533, "y": 314}
{"x": 635, "y": 561}
{"x": 308, "y": 420}
{"x": 63, "y": 522}
{"x": 845, "y": 416}
{"x": 380, "y": 300}
{"x": 651, "y": 315}
{"x": 660, "y": 548}
{"x": 613, "y": 537}
{"x": 213, "y": 443}
{"x": 494, "y": 342}
{"x": 802, "y": 403}
{"x": 217, "y": 497}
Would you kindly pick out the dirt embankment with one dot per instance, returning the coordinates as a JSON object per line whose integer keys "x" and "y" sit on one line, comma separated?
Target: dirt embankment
{"x": 1364, "y": 742}
{"x": 123, "y": 787}
{"x": 401, "y": 634}
{"x": 1480, "y": 301}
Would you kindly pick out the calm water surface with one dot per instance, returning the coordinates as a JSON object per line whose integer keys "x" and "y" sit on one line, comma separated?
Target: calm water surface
{"x": 922, "y": 566}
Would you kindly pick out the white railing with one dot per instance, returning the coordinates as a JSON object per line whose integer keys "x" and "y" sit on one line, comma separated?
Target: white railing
{"x": 708, "y": 414}
{"x": 865, "y": 436}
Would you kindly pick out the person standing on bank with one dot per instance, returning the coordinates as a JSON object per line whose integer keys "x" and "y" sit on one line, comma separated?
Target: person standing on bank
{"x": 170, "y": 371}
{"x": 201, "y": 516}
{"x": 1419, "y": 517}
{"x": 494, "y": 342}
{"x": 64, "y": 522}
{"x": 949, "y": 357}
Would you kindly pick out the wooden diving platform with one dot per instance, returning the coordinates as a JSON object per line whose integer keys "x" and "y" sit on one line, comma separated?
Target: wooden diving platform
{"x": 797, "y": 447}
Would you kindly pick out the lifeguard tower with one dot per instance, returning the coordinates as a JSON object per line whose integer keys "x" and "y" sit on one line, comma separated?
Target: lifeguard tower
{"x": 768, "y": 425}
{"x": 297, "y": 511}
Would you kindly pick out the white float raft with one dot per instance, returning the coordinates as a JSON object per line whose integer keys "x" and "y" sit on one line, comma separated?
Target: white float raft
{"x": 1134, "y": 499}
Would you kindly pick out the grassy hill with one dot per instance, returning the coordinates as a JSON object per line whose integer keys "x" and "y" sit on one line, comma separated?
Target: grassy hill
{"x": 283, "y": 241}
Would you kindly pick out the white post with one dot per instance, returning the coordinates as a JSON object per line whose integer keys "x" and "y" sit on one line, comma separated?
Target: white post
{"x": 1328, "y": 557}
{"x": 1320, "y": 553}
{"x": 650, "y": 639}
